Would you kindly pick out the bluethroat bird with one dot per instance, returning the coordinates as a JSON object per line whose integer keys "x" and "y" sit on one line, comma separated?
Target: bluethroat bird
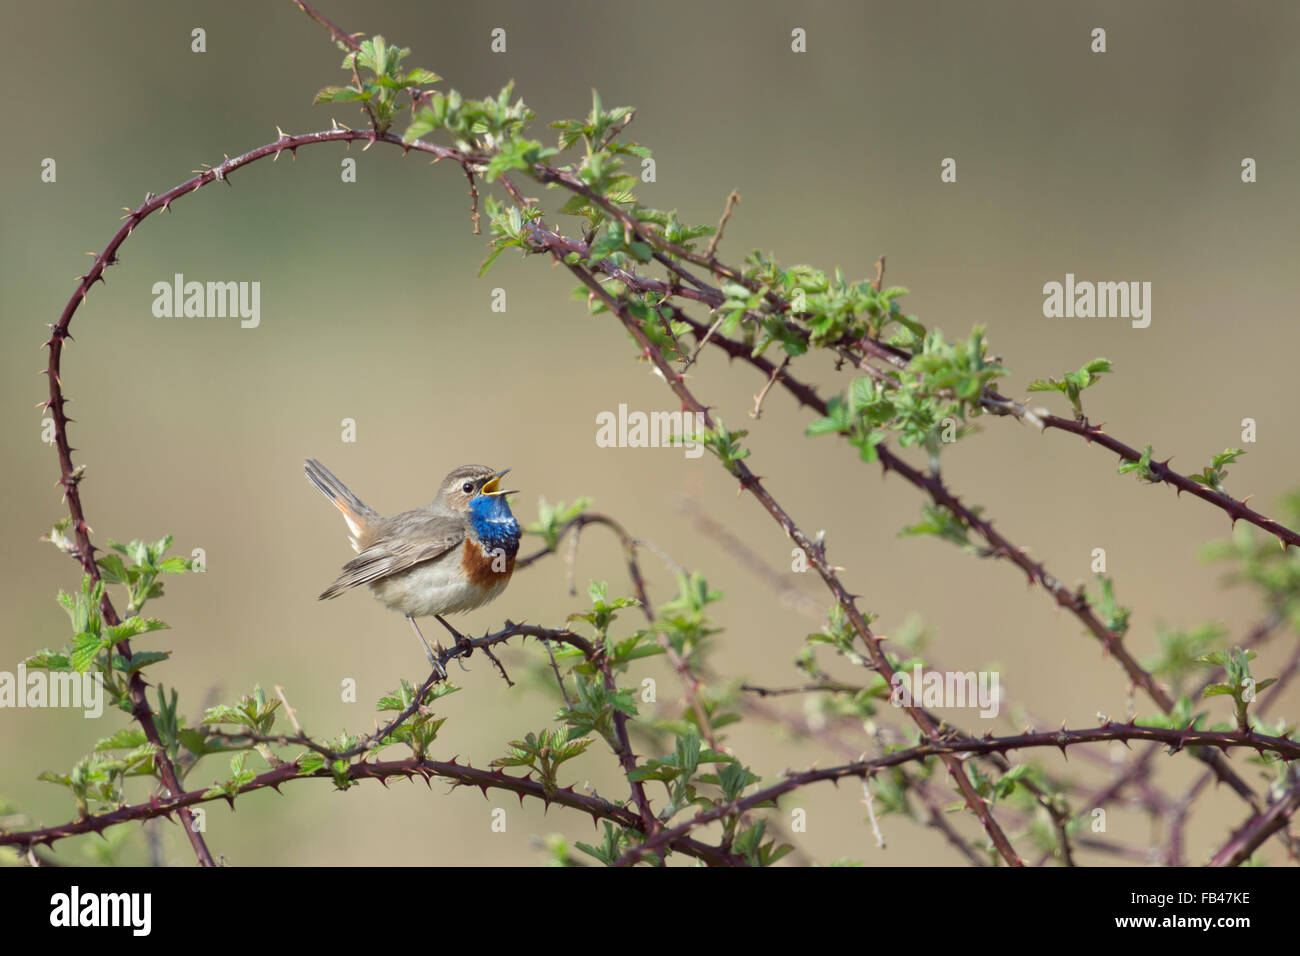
{"x": 451, "y": 556}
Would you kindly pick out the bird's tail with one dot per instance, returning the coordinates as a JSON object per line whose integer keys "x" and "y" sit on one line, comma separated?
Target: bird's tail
{"x": 355, "y": 511}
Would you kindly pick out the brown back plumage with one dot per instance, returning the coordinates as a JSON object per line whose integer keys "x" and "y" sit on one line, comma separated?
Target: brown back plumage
{"x": 387, "y": 546}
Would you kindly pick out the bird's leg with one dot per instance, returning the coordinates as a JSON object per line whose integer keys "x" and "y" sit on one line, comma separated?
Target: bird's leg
{"x": 442, "y": 671}
{"x": 463, "y": 642}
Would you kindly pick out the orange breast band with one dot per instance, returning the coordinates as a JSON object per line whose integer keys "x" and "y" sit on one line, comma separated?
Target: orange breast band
{"x": 479, "y": 568}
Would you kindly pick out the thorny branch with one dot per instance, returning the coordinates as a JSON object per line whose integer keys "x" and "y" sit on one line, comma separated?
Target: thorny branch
{"x": 952, "y": 749}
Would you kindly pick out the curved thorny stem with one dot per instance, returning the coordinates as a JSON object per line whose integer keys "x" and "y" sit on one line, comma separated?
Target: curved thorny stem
{"x": 701, "y": 285}
{"x": 675, "y": 837}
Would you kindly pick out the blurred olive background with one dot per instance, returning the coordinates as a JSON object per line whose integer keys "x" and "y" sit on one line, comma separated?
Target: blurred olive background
{"x": 1122, "y": 166}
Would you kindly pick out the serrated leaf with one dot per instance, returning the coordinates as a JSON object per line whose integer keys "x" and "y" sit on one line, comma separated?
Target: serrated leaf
{"x": 311, "y": 762}
{"x": 142, "y": 659}
{"x": 124, "y": 739}
{"x": 84, "y": 650}
{"x": 419, "y": 77}
{"x": 49, "y": 660}
{"x": 340, "y": 94}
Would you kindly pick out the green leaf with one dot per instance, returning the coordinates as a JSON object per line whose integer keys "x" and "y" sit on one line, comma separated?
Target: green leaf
{"x": 340, "y": 94}
{"x": 418, "y": 77}
{"x": 175, "y": 565}
{"x": 1142, "y": 466}
{"x": 423, "y": 122}
{"x": 125, "y": 739}
{"x": 142, "y": 659}
{"x": 49, "y": 660}
{"x": 310, "y": 762}
{"x": 85, "y": 648}
{"x": 1072, "y": 383}
{"x": 113, "y": 570}
{"x": 129, "y": 628}
{"x": 193, "y": 741}
{"x": 516, "y": 154}
{"x": 491, "y": 258}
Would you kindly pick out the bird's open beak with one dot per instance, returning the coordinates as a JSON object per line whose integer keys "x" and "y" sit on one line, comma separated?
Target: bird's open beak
{"x": 492, "y": 485}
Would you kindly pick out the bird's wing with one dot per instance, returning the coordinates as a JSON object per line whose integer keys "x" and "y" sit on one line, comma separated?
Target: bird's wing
{"x": 396, "y": 544}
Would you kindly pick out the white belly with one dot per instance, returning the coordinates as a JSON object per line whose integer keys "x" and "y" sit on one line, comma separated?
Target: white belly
{"x": 435, "y": 587}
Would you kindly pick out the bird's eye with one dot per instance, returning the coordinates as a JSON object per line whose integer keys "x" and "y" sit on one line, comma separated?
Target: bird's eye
{"x": 467, "y": 487}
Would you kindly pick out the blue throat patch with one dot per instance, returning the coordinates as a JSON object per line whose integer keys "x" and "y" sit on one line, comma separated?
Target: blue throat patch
{"x": 493, "y": 525}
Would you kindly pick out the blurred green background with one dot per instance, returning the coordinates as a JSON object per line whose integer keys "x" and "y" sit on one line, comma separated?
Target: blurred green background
{"x": 1115, "y": 166}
